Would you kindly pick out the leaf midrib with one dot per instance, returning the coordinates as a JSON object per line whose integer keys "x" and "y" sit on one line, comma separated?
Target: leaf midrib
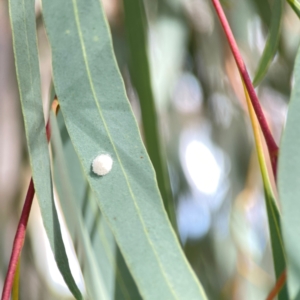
{"x": 16, "y": 60}
{"x": 119, "y": 276}
{"x": 266, "y": 181}
{"x": 112, "y": 143}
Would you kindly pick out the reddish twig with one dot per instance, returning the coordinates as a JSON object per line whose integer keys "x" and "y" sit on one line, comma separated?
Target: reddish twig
{"x": 18, "y": 243}
{"x": 271, "y": 144}
{"x": 278, "y": 286}
{"x": 20, "y": 235}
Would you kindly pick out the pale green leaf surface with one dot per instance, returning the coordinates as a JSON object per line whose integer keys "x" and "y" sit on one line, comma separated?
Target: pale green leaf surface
{"x": 22, "y": 16}
{"x": 99, "y": 120}
{"x": 278, "y": 252}
{"x": 271, "y": 205}
{"x": 289, "y": 185}
{"x": 109, "y": 259}
{"x": 272, "y": 41}
{"x": 126, "y": 288}
{"x": 295, "y": 5}
{"x": 95, "y": 282}
{"x": 135, "y": 19}
{"x": 101, "y": 239}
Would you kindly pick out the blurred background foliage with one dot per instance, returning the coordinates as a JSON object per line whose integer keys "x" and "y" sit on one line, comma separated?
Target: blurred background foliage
{"x": 205, "y": 133}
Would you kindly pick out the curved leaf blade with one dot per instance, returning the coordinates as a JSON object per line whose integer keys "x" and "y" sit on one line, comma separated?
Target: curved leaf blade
{"x": 94, "y": 280}
{"x": 117, "y": 279}
{"x": 295, "y": 5}
{"x": 135, "y": 19}
{"x": 75, "y": 195}
{"x": 264, "y": 11}
{"x": 278, "y": 251}
{"x": 99, "y": 120}
{"x": 272, "y": 42}
{"x": 22, "y": 17}
{"x": 288, "y": 185}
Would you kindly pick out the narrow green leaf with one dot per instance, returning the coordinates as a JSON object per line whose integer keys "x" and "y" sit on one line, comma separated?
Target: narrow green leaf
{"x": 94, "y": 280}
{"x": 264, "y": 11}
{"x": 289, "y": 183}
{"x": 125, "y": 286}
{"x": 109, "y": 259}
{"x": 135, "y": 20}
{"x": 295, "y": 5}
{"x": 272, "y": 41}
{"x": 22, "y": 16}
{"x": 99, "y": 120}
{"x": 276, "y": 242}
{"x": 272, "y": 209}
{"x": 102, "y": 242}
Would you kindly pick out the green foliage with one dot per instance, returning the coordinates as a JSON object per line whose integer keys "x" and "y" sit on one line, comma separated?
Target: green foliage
{"x": 288, "y": 184}
{"x": 99, "y": 120}
{"x": 272, "y": 41}
{"x": 137, "y": 39}
{"x": 123, "y": 224}
{"x": 276, "y": 241}
{"x": 27, "y": 68}
{"x": 95, "y": 278}
{"x": 271, "y": 205}
{"x": 295, "y": 5}
{"x": 98, "y": 245}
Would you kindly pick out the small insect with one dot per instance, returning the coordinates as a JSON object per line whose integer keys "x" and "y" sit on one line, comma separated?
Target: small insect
{"x": 102, "y": 164}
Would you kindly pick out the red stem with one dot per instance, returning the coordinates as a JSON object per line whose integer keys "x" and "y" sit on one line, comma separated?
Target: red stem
{"x": 271, "y": 144}
{"x": 20, "y": 235}
{"x": 279, "y": 285}
{"x": 18, "y": 243}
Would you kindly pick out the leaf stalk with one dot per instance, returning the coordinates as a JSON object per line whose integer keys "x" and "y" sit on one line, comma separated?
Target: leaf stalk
{"x": 18, "y": 243}
{"x": 20, "y": 235}
{"x": 278, "y": 286}
{"x": 271, "y": 144}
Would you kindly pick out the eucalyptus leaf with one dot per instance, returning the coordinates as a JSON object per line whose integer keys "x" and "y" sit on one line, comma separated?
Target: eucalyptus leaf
{"x": 289, "y": 183}
{"x": 277, "y": 246}
{"x": 272, "y": 41}
{"x": 125, "y": 286}
{"x": 116, "y": 277}
{"x": 135, "y": 20}
{"x": 22, "y": 17}
{"x": 295, "y": 5}
{"x": 278, "y": 250}
{"x": 264, "y": 10}
{"x": 95, "y": 278}
{"x": 99, "y": 120}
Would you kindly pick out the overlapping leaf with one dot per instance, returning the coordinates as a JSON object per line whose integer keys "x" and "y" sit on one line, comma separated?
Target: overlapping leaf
{"x": 113, "y": 274}
{"x": 22, "y": 16}
{"x": 95, "y": 281}
{"x": 135, "y": 26}
{"x": 272, "y": 41}
{"x": 289, "y": 185}
{"x": 99, "y": 120}
{"x": 272, "y": 209}
{"x": 295, "y": 5}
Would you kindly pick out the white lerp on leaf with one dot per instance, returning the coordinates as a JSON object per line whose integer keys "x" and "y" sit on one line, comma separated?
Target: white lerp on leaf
{"x": 102, "y": 164}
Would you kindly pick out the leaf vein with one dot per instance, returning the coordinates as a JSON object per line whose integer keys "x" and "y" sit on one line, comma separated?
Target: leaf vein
{"x": 110, "y": 138}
